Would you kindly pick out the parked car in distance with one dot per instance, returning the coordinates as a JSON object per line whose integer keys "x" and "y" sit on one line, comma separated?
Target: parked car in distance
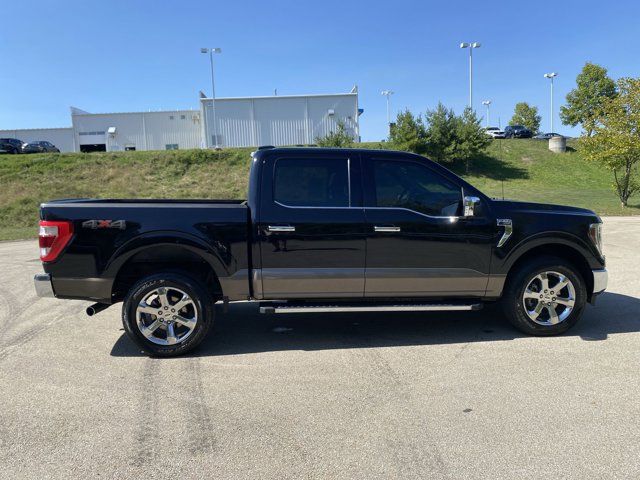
{"x": 517, "y": 131}
{"x": 546, "y": 136}
{"x": 40, "y": 146}
{"x": 494, "y": 132}
{"x": 10, "y": 145}
{"x": 322, "y": 230}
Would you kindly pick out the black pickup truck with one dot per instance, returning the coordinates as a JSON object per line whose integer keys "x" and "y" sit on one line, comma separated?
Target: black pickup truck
{"x": 323, "y": 230}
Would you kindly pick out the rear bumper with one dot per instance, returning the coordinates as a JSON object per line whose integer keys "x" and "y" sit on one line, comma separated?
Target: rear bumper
{"x": 43, "y": 285}
{"x": 600, "y": 280}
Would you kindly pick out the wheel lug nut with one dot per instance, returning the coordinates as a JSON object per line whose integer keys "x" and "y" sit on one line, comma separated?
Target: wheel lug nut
{"x": 553, "y": 299}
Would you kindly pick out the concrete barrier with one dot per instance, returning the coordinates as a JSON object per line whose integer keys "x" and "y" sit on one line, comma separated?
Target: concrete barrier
{"x": 558, "y": 144}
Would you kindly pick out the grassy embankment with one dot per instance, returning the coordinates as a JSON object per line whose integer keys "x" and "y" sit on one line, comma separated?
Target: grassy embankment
{"x": 525, "y": 169}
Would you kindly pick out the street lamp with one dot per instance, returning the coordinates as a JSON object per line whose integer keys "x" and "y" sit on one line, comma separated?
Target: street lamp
{"x": 551, "y": 76}
{"x": 211, "y": 51}
{"x": 486, "y": 103}
{"x": 388, "y": 93}
{"x": 470, "y": 46}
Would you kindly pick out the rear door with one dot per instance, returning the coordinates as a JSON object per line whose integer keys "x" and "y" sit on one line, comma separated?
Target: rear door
{"x": 311, "y": 227}
{"x": 418, "y": 245}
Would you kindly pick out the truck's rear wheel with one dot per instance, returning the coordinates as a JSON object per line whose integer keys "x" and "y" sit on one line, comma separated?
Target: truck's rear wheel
{"x": 545, "y": 296}
{"x": 167, "y": 314}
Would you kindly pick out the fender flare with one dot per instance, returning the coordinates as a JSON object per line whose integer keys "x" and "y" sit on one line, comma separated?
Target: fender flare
{"x": 545, "y": 239}
{"x": 166, "y": 238}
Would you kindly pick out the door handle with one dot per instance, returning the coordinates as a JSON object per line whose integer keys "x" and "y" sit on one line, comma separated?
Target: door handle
{"x": 281, "y": 228}
{"x": 386, "y": 229}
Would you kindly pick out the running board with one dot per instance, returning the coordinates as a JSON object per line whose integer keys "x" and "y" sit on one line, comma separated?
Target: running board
{"x": 426, "y": 307}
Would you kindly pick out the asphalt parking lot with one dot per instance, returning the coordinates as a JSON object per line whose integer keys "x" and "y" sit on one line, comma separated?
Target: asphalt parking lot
{"x": 330, "y": 396}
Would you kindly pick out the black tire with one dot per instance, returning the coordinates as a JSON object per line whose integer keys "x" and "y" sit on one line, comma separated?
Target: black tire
{"x": 201, "y": 302}
{"x": 513, "y": 304}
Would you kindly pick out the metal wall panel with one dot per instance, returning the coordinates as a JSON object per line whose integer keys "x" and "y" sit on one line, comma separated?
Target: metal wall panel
{"x": 279, "y": 120}
{"x": 60, "y": 137}
{"x": 141, "y": 130}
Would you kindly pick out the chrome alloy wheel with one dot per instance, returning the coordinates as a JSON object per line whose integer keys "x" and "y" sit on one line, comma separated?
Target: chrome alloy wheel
{"x": 549, "y": 298}
{"x": 166, "y": 316}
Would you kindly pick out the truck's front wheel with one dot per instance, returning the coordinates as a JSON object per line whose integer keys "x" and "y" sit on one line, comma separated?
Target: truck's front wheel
{"x": 545, "y": 296}
{"x": 167, "y": 314}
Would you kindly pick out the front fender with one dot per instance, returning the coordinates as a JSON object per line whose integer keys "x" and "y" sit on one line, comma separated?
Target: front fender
{"x": 509, "y": 257}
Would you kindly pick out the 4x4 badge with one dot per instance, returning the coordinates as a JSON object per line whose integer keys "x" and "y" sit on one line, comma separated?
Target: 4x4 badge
{"x": 98, "y": 224}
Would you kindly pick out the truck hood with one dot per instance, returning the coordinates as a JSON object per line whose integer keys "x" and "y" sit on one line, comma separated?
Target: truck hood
{"x": 513, "y": 206}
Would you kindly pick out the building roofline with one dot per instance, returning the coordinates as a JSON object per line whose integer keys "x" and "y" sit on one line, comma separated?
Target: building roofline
{"x": 34, "y": 129}
{"x": 218, "y": 99}
{"x": 192, "y": 110}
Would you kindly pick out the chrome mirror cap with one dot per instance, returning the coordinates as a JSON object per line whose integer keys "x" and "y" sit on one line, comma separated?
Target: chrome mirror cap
{"x": 470, "y": 203}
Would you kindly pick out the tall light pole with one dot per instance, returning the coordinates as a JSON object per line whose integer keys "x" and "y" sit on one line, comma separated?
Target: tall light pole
{"x": 388, "y": 93}
{"x": 486, "y": 103}
{"x": 470, "y": 46}
{"x": 211, "y": 51}
{"x": 551, "y": 76}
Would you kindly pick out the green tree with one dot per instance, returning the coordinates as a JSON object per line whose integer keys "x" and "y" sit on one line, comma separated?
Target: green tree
{"x": 441, "y": 133}
{"x": 339, "y": 138}
{"x": 408, "y": 133}
{"x": 585, "y": 102}
{"x": 526, "y": 115}
{"x": 471, "y": 138}
{"x": 615, "y": 142}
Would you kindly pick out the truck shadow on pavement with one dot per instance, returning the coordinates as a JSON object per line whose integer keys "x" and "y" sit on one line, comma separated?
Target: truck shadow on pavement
{"x": 243, "y": 330}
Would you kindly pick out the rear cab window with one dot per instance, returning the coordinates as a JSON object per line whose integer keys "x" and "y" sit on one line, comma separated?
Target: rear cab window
{"x": 311, "y": 182}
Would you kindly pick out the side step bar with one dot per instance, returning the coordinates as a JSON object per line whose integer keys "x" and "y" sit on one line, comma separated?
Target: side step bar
{"x": 425, "y": 307}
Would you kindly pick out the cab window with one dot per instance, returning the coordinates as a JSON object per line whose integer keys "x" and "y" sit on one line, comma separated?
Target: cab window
{"x": 311, "y": 182}
{"x": 403, "y": 184}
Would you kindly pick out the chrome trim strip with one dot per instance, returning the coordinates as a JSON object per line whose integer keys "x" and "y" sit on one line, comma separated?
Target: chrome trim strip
{"x": 507, "y": 223}
{"x": 451, "y": 218}
{"x": 281, "y": 228}
{"x": 386, "y": 229}
{"x": 600, "y": 280}
{"x": 372, "y": 308}
{"x": 43, "y": 286}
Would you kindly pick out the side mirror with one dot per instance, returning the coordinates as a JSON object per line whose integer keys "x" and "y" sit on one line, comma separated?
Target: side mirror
{"x": 470, "y": 204}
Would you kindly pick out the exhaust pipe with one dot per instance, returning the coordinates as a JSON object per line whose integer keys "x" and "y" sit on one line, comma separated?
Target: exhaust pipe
{"x": 97, "y": 308}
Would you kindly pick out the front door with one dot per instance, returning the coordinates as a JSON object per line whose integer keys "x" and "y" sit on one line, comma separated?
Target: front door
{"x": 417, "y": 242}
{"x": 311, "y": 227}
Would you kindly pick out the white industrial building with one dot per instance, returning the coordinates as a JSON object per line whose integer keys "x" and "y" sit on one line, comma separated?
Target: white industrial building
{"x": 239, "y": 122}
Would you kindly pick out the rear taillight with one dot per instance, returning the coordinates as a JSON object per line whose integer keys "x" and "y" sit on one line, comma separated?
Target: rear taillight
{"x": 53, "y": 237}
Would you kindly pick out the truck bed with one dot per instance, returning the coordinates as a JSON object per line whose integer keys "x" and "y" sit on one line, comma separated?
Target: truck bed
{"x": 109, "y": 232}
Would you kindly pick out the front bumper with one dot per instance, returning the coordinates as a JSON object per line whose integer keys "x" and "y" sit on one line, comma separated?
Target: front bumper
{"x": 600, "y": 280}
{"x": 44, "y": 287}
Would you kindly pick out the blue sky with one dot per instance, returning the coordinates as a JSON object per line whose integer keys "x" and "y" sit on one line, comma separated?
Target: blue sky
{"x": 139, "y": 55}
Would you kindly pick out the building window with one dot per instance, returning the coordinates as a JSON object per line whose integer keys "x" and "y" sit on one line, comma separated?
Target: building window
{"x": 182, "y": 117}
{"x": 129, "y": 148}
{"x": 90, "y": 133}
{"x": 171, "y": 146}
{"x": 170, "y": 117}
